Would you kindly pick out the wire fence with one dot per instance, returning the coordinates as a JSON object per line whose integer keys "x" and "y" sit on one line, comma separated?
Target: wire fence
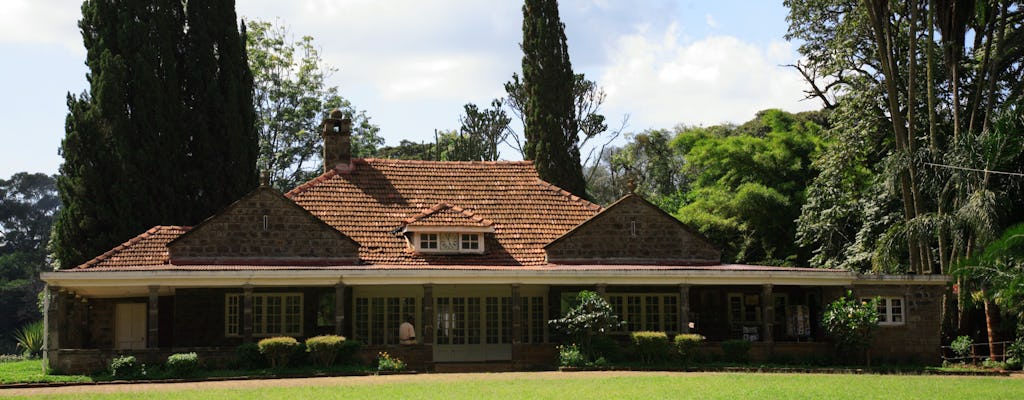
{"x": 996, "y": 352}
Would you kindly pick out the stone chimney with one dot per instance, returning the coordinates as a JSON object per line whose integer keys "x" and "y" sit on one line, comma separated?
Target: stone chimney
{"x": 337, "y": 135}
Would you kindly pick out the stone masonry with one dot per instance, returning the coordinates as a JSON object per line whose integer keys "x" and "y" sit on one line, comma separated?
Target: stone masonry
{"x": 264, "y": 227}
{"x": 632, "y": 231}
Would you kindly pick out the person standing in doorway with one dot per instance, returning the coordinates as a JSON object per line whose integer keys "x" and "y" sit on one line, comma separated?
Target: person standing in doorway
{"x": 406, "y": 331}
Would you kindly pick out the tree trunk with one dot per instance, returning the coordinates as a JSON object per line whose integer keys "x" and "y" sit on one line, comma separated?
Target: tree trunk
{"x": 991, "y": 322}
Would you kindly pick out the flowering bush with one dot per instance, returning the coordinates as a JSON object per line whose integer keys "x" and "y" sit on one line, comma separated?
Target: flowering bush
{"x": 387, "y": 362}
{"x": 571, "y": 356}
{"x": 850, "y": 323}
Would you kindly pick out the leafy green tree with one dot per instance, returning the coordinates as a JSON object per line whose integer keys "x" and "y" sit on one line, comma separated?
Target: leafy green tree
{"x": 550, "y": 126}
{"x": 28, "y": 203}
{"x": 292, "y": 98}
{"x": 850, "y": 323}
{"x": 165, "y": 134}
{"x": 589, "y": 316}
{"x": 481, "y": 132}
{"x": 746, "y": 191}
{"x": 408, "y": 150}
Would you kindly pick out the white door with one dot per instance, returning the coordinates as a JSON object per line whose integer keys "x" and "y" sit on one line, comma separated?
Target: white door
{"x": 473, "y": 329}
{"x": 130, "y": 326}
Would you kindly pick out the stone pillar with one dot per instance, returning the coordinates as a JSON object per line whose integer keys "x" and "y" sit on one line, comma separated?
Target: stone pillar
{"x": 247, "y": 314}
{"x": 768, "y": 319}
{"x": 339, "y": 308}
{"x": 52, "y": 322}
{"x": 601, "y": 290}
{"x": 517, "y": 316}
{"x": 684, "y": 308}
{"x": 427, "y": 333}
{"x": 153, "y": 330}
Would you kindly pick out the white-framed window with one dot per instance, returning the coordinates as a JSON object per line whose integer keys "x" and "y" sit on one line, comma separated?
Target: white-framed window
{"x": 377, "y": 318}
{"x": 273, "y": 314}
{"x": 891, "y": 311}
{"x": 647, "y": 311}
{"x": 744, "y": 308}
{"x": 470, "y": 241}
{"x": 449, "y": 242}
{"x": 427, "y": 241}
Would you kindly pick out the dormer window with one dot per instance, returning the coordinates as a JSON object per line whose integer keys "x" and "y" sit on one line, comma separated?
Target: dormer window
{"x": 428, "y": 241}
{"x": 448, "y": 242}
{"x": 446, "y": 229}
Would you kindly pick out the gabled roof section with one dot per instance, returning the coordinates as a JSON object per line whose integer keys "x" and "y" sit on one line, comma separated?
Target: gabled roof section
{"x": 632, "y": 231}
{"x": 146, "y": 250}
{"x": 447, "y": 216}
{"x": 368, "y": 202}
{"x": 263, "y": 227}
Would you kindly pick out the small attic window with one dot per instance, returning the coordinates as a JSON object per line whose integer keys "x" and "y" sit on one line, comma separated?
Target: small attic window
{"x": 449, "y": 242}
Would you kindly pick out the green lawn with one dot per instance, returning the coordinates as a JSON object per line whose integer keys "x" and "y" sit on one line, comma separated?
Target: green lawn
{"x": 588, "y": 386}
{"x": 28, "y": 371}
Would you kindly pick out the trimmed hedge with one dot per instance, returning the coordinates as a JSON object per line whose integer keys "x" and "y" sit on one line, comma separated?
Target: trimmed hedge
{"x": 125, "y": 367}
{"x": 182, "y": 364}
{"x": 650, "y": 346}
{"x": 686, "y": 346}
{"x": 324, "y": 349}
{"x": 248, "y": 356}
{"x": 278, "y": 350}
{"x": 736, "y": 350}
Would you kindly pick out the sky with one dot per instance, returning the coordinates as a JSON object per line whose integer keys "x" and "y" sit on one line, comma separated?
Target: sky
{"x": 413, "y": 64}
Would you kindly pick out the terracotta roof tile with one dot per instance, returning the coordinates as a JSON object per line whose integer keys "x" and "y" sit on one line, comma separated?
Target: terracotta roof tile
{"x": 377, "y": 195}
{"x": 146, "y": 250}
{"x": 444, "y": 214}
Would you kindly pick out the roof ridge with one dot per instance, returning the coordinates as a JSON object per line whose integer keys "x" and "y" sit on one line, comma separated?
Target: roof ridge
{"x": 566, "y": 193}
{"x": 311, "y": 183}
{"x": 130, "y": 242}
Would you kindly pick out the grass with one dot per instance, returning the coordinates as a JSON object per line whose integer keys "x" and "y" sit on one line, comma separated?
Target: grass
{"x": 609, "y": 386}
{"x": 30, "y": 371}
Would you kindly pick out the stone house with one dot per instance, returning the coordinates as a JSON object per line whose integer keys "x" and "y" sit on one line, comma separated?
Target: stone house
{"x": 481, "y": 254}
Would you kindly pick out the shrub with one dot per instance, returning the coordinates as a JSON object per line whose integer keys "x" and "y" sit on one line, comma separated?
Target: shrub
{"x": 686, "y": 346}
{"x": 650, "y": 346}
{"x": 348, "y": 352}
{"x": 737, "y": 350}
{"x": 1015, "y": 354}
{"x": 278, "y": 350}
{"x": 324, "y": 349}
{"x": 386, "y": 362}
{"x": 125, "y": 367}
{"x": 603, "y": 346}
{"x": 850, "y": 323}
{"x": 961, "y": 346}
{"x": 992, "y": 364}
{"x": 590, "y": 316}
{"x": 29, "y": 339}
{"x": 182, "y": 364}
{"x": 571, "y": 356}
{"x": 247, "y": 356}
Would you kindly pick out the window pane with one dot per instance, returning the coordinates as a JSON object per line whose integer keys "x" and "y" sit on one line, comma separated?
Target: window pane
{"x": 670, "y": 309}
{"x": 394, "y": 319}
{"x": 506, "y": 318}
{"x": 635, "y": 312}
{"x": 258, "y": 318}
{"x": 652, "y": 313}
{"x": 491, "y": 318}
{"x": 293, "y": 315}
{"x": 232, "y": 315}
{"x": 274, "y": 309}
{"x": 362, "y": 319}
{"x": 473, "y": 321}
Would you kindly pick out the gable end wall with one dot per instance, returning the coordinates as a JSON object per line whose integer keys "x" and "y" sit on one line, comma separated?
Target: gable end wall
{"x": 239, "y": 234}
{"x": 608, "y": 238}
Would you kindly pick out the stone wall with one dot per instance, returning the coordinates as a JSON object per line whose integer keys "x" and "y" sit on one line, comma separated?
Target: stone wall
{"x": 633, "y": 231}
{"x": 919, "y": 339}
{"x": 264, "y": 227}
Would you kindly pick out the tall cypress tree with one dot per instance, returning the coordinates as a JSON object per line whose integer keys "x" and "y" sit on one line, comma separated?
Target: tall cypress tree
{"x": 140, "y": 148}
{"x": 550, "y": 124}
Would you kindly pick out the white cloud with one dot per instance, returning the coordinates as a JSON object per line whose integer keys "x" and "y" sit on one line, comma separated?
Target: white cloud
{"x": 662, "y": 80}
{"x": 42, "y": 22}
{"x": 710, "y": 19}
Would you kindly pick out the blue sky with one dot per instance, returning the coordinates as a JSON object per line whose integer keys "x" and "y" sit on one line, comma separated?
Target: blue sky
{"x": 413, "y": 64}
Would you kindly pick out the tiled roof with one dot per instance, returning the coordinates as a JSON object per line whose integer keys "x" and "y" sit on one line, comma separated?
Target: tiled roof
{"x": 444, "y": 267}
{"x": 447, "y": 215}
{"x": 377, "y": 196}
{"x": 146, "y": 250}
